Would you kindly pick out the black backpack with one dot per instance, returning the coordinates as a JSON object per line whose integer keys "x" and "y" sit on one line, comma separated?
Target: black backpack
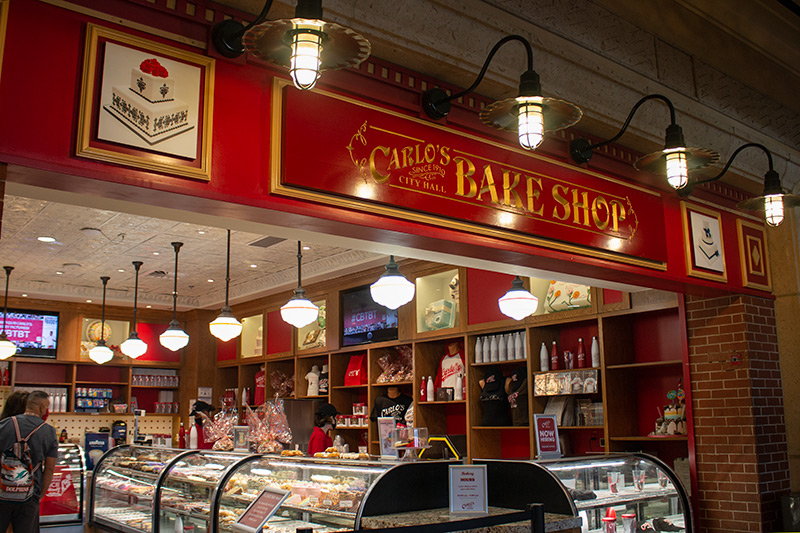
{"x": 17, "y": 468}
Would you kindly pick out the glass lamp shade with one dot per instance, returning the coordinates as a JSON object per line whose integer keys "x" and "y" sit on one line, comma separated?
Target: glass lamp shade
{"x": 304, "y": 62}
{"x": 518, "y": 303}
{"x": 531, "y": 122}
{"x": 773, "y": 209}
{"x": 101, "y": 353}
{"x": 677, "y": 168}
{"x": 174, "y": 338}
{"x": 392, "y": 290}
{"x": 133, "y": 346}
{"x": 299, "y": 311}
{"x": 225, "y": 327}
{"x": 7, "y": 348}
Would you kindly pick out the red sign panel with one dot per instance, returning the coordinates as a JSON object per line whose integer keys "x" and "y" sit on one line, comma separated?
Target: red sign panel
{"x": 60, "y": 497}
{"x": 547, "y": 435}
{"x": 332, "y": 149}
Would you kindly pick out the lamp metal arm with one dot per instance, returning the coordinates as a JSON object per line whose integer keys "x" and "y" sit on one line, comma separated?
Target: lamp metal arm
{"x": 730, "y": 162}
{"x": 299, "y": 265}
{"x": 482, "y": 73}
{"x": 633, "y": 112}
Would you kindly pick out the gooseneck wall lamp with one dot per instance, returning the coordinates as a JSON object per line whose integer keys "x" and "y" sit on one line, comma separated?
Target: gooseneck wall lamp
{"x": 299, "y": 311}
{"x": 676, "y": 160}
{"x": 772, "y": 201}
{"x": 174, "y": 338}
{"x": 529, "y": 115}
{"x": 225, "y": 327}
{"x": 305, "y": 44}
{"x": 133, "y": 346}
{"x": 392, "y": 289}
{"x": 7, "y": 348}
{"x": 101, "y": 353}
{"x": 518, "y": 302}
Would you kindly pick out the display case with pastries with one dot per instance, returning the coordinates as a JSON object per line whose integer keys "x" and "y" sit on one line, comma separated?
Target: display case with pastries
{"x": 324, "y": 494}
{"x": 124, "y": 485}
{"x": 638, "y": 486}
{"x": 62, "y": 503}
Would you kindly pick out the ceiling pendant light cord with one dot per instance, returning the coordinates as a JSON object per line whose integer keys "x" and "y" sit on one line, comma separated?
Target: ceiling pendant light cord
{"x": 299, "y": 265}
{"x": 228, "y": 271}
{"x": 136, "y": 265}
{"x": 177, "y": 246}
{"x": 104, "y": 279}
{"x": 8, "y": 270}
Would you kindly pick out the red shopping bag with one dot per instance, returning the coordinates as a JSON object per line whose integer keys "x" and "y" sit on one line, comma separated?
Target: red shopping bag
{"x": 356, "y": 373}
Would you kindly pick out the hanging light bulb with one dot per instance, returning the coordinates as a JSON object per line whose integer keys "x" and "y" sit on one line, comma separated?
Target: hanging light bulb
{"x": 677, "y": 169}
{"x": 518, "y": 303}
{"x": 174, "y": 338}
{"x": 133, "y": 346}
{"x": 530, "y": 122}
{"x": 7, "y": 348}
{"x": 299, "y": 311}
{"x": 773, "y": 209}
{"x": 101, "y": 353}
{"x": 392, "y": 289}
{"x": 225, "y": 327}
{"x": 304, "y": 61}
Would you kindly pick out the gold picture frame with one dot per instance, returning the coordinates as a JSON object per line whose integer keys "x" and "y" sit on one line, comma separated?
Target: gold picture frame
{"x": 703, "y": 243}
{"x": 753, "y": 255}
{"x": 145, "y": 105}
{"x": 3, "y": 23}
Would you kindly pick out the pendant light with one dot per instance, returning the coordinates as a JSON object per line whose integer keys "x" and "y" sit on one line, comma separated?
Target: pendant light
{"x": 225, "y": 327}
{"x": 299, "y": 311}
{"x": 101, "y": 353}
{"x": 174, "y": 338}
{"x": 518, "y": 303}
{"x": 392, "y": 289}
{"x": 7, "y": 348}
{"x": 133, "y": 347}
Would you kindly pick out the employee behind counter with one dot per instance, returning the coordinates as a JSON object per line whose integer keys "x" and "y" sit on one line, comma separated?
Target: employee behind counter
{"x": 200, "y": 407}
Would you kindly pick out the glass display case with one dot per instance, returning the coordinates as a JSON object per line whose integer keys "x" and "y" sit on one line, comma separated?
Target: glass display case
{"x": 639, "y": 487}
{"x": 324, "y": 494}
{"x": 437, "y": 298}
{"x": 251, "y": 342}
{"x": 124, "y": 486}
{"x": 62, "y": 503}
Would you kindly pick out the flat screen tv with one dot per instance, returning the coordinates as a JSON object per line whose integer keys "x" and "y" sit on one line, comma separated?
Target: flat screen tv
{"x": 364, "y": 321}
{"x": 34, "y": 332}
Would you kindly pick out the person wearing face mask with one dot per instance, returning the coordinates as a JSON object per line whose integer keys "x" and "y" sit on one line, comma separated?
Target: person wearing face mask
{"x": 324, "y": 421}
{"x": 23, "y": 516}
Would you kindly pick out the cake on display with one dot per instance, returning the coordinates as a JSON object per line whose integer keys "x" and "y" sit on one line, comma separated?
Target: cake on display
{"x": 148, "y": 106}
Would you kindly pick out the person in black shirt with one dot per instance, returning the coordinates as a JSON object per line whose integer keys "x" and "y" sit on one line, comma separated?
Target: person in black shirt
{"x": 394, "y": 404}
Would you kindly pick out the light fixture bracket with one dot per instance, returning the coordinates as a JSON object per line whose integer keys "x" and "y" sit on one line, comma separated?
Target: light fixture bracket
{"x": 227, "y": 35}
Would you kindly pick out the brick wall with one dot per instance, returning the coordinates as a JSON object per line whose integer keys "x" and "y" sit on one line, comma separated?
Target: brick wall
{"x": 740, "y": 436}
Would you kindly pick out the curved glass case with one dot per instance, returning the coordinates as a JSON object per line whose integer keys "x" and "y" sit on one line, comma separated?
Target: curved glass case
{"x": 637, "y": 486}
{"x": 124, "y": 485}
{"x": 62, "y": 503}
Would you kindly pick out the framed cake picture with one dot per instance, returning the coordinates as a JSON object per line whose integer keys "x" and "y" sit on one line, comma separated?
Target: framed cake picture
{"x": 145, "y": 105}
{"x": 705, "y": 251}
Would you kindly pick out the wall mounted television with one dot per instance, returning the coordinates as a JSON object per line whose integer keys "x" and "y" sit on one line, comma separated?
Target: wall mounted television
{"x": 34, "y": 332}
{"x": 363, "y": 320}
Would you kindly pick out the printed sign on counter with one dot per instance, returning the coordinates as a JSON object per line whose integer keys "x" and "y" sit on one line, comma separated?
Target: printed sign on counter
{"x": 547, "y": 442}
{"x": 260, "y": 510}
{"x": 386, "y": 425}
{"x": 468, "y": 490}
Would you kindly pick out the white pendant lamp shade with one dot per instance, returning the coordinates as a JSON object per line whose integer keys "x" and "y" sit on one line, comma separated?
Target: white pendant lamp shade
{"x": 133, "y": 346}
{"x": 392, "y": 289}
{"x": 299, "y": 311}
{"x": 174, "y": 338}
{"x": 225, "y": 327}
{"x": 7, "y": 348}
{"x": 518, "y": 303}
{"x": 101, "y": 353}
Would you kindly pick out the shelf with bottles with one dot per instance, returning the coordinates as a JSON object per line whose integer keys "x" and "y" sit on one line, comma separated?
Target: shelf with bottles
{"x": 500, "y": 348}
{"x": 155, "y": 378}
{"x": 573, "y": 346}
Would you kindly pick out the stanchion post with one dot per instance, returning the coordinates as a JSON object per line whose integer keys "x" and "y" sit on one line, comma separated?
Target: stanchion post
{"x": 537, "y": 517}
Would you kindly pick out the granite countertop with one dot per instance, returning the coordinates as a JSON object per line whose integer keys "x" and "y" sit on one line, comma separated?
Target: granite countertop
{"x": 552, "y": 522}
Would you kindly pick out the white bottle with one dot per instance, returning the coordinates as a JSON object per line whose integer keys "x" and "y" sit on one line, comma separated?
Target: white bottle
{"x": 595, "y": 353}
{"x": 459, "y": 392}
{"x": 502, "y": 348}
{"x": 429, "y": 392}
{"x": 525, "y": 343}
{"x": 63, "y": 402}
{"x": 193, "y": 437}
{"x": 544, "y": 359}
{"x": 178, "y": 524}
{"x": 519, "y": 352}
{"x": 478, "y": 350}
{"x": 493, "y": 350}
